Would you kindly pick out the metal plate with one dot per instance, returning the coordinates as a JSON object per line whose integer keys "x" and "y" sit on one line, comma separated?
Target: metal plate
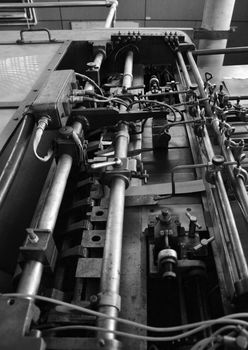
{"x": 20, "y": 67}
{"x": 89, "y": 268}
{"x": 93, "y": 239}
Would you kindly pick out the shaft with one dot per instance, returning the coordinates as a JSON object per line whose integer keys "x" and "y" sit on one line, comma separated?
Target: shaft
{"x": 110, "y": 278}
{"x": 32, "y": 273}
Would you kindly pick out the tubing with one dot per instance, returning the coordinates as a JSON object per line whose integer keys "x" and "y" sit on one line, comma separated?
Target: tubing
{"x": 14, "y": 160}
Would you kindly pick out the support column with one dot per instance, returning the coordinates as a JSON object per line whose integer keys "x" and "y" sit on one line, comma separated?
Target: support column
{"x": 217, "y": 15}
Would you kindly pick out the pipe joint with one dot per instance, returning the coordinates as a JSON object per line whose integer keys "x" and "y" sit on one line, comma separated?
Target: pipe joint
{"x": 112, "y": 2}
{"x": 110, "y": 299}
{"x": 122, "y": 133}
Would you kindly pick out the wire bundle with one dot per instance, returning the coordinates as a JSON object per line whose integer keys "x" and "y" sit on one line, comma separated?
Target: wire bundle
{"x": 232, "y": 321}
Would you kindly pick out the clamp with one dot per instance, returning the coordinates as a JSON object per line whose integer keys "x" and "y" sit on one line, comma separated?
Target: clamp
{"x": 69, "y": 142}
{"x": 39, "y": 245}
{"x": 117, "y": 167}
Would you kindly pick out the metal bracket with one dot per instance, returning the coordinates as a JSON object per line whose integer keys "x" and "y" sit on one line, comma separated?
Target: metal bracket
{"x": 202, "y": 33}
{"x": 43, "y": 249}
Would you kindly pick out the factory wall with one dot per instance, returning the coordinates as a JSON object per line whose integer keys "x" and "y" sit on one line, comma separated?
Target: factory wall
{"x": 149, "y": 13}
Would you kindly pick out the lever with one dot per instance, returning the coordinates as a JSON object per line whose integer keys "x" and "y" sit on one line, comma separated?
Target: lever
{"x": 204, "y": 242}
{"x": 193, "y": 219}
{"x": 115, "y": 162}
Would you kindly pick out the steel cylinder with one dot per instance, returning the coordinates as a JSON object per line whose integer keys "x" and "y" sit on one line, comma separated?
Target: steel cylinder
{"x": 217, "y": 15}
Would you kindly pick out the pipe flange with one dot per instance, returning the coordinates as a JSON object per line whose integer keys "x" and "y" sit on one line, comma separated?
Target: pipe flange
{"x": 109, "y": 299}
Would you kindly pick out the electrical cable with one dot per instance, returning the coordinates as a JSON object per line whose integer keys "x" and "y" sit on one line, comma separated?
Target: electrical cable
{"x": 206, "y": 341}
{"x": 225, "y": 320}
{"x": 173, "y": 110}
{"x": 105, "y": 100}
{"x": 79, "y": 144}
{"x": 42, "y": 124}
{"x": 91, "y": 81}
{"x": 143, "y": 337}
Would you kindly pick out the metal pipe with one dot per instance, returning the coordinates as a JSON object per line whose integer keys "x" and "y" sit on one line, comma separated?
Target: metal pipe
{"x": 239, "y": 256}
{"x": 237, "y": 182}
{"x": 110, "y": 20}
{"x": 31, "y": 277}
{"x": 184, "y": 69}
{"x": 228, "y": 50}
{"x": 128, "y": 70}
{"x": 50, "y": 4}
{"x": 110, "y": 277}
{"x": 32, "y": 273}
{"x": 217, "y": 15}
{"x": 97, "y": 64}
{"x": 13, "y": 162}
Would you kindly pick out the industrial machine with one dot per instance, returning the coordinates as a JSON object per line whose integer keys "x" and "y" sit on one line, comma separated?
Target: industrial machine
{"x": 123, "y": 221}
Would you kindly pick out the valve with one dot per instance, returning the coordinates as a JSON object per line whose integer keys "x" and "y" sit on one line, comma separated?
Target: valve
{"x": 193, "y": 224}
{"x": 203, "y": 243}
{"x": 116, "y": 162}
{"x": 214, "y": 167}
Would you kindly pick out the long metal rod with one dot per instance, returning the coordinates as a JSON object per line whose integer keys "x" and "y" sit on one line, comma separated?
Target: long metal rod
{"x": 32, "y": 273}
{"x": 9, "y": 172}
{"x": 239, "y": 256}
{"x": 110, "y": 277}
{"x": 228, "y": 50}
{"x": 237, "y": 182}
{"x": 110, "y": 20}
{"x": 50, "y": 4}
{"x": 184, "y": 69}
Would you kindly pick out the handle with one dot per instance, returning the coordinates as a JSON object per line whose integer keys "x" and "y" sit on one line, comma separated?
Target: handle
{"x": 116, "y": 162}
{"x": 204, "y": 242}
{"x": 194, "y": 219}
{"x": 22, "y": 41}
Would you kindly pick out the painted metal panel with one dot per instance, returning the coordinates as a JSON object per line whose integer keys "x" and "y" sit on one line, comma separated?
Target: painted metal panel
{"x": 20, "y": 67}
{"x": 5, "y": 117}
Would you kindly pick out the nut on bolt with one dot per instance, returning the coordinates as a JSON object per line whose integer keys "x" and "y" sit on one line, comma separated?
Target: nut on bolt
{"x": 165, "y": 216}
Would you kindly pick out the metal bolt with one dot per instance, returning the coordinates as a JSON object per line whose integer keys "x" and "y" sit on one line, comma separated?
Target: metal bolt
{"x": 93, "y": 299}
{"x": 102, "y": 342}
